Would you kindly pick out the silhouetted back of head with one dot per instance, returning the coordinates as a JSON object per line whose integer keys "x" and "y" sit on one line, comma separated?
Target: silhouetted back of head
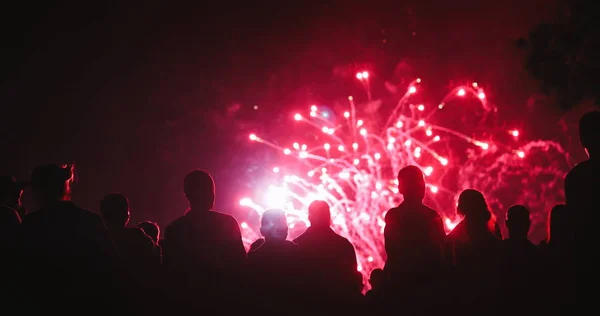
{"x": 51, "y": 183}
{"x": 472, "y": 205}
{"x": 589, "y": 131}
{"x": 115, "y": 210}
{"x": 319, "y": 214}
{"x": 199, "y": 189}
{"x": 273, "y": 225}
{"x": 559, "y": 228}
{"x": 411, "y": 183}
{"x": 151, "y": 229}
{"x": 376, "y": 278}
{"x": 518, "y": 222}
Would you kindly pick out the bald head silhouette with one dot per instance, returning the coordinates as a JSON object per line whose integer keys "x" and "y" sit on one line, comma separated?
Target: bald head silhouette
{"x": 411, "y": 183}
{"x": 273, "y": 225}
{"x": 319, "y": 214}
{"x": 518, "y": 222}
{"x": 199, "y": 189}
{"x": 114, "y": 209}
{"x": 560, "y": 230}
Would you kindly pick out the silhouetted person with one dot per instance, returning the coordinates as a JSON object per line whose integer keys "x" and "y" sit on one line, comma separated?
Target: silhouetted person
{"x": 273, "y": 264}
{"x": 376, "y": 280}
{"x": 67, "y": 248}
{"x": 151, "y": 229}
{"x": 329, "y": 258}
{"x": 559, "y": 229}
{"x": 582, "y": 183}
{"x": 559, "y": 251}
{"x": 139, "y": 255}
{"x": 203, "y": 249}
{"x": 414, "y": 233}
{"x": 523, "y": 261}
{"x": 475, "y": 251}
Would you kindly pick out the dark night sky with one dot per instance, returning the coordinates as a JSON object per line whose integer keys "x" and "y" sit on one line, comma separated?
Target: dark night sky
{"x": 136, "y": 96}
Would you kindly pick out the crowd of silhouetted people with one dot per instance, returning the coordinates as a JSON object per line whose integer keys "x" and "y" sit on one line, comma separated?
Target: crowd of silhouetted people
{"x": 63, "y": 258}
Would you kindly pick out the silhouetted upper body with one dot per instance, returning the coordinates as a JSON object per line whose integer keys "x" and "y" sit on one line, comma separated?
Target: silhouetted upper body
{"x": 523, "y": 261}
{"x": 582, "y": 183}
{"x": 475, "y": 250}
{"x": 274, "y": 261}
{"x": 202, "y": 241}
{"x": 203, "y": 249}
{"x": 274, "y": 265}
{"x": 414, "y": 237}
{"x": 559, "y": 255}
{"x": 376, "y": 279}
{"x": 329, "y": 258}
{"x": 414, "y": 233}
{"x": 136, "y": 249}
{"x": 324, "y": 245}
{"x": 62, "y": 238}
{"x": 72, "y": 243}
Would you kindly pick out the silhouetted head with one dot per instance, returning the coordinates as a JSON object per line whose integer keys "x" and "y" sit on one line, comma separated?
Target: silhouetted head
{"x": 589, "y": 133}
{"x": 411, "y": 183}
{"x": 376, "y": 278}
{"x": 151, "y": 229}
{"x": 50, "y": 184}
{"x": 472, "y": 205}
{"x": 11, "y": 192}
{"x": 199, "y": 189}
{"x": 518, "y": 222}
{"x": 319, "y": 214}
{"x": 559, "y": 224}
{"x": 115, "y": 210}
{"x": 273, "y": 225}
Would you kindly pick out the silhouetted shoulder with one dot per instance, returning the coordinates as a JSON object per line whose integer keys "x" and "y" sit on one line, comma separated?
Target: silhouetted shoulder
{"x": 229, "y": 223}
{"x": 67, "y": 210}
{"x": 226, "y": 218}
{"x": 391, "y": 213}
{"x": 291, "y": 244}
{"x": 257, "y": 243}
{"x": 433, "y": 214}
{"x": 175, "y": 226}
{"x": 343, "y": 241}
{"x": 582, "y": 184}
{"x": 583, "y": 172}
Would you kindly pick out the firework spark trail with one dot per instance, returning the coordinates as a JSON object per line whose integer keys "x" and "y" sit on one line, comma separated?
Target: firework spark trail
{"x": 354, "y": 171}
